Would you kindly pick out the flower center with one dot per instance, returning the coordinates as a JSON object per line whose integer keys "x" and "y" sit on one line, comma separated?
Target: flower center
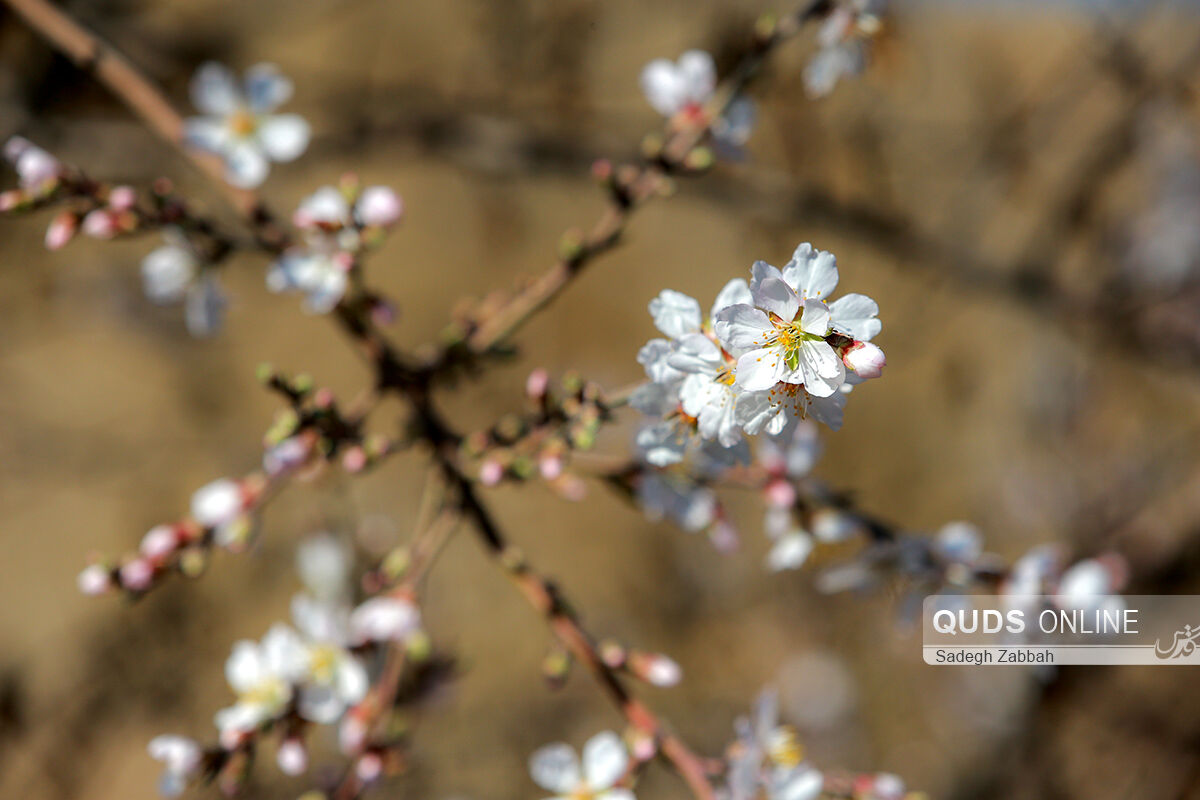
{"x": 323, "y": 663}
{"x": 784, "y": 748}
{"x": 725, "y": 375}
{"x": 582, "y": 792}
{"x": 789, "y": 337}
{"x": 271, "y": 693}
{"x": 242, "y": 123}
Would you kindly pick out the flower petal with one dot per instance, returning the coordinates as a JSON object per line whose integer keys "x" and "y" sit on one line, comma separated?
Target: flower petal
{"x": 555, "y": 767}
{"x": 822, "y": 371}
{"x": 266, "y": 88}
{"x": 695, "y": 352}
{"x": 855, "y": 315}
{"x": 790, "y": 552}
{"x": 812, "y": 272}
{"x": 759, "y": 370}
{"x": 760, "y": 271}
{"x": 742, "y": 327}
{"x": 166, "y": 273}
{"x": 663, "y": 86}
{"x": 284, "y": 136}
{"x": 733, "y": 293}
{"x": 777, "y": 297}
{"x": 604, "y": 760}
{"x": 244, "y": 668}
{"x": 245, "y": 164}
{"x": 675, "y": 314}
{"x": 207, "y": 133}
{"x": 214, "y": 89}
{"x": 204, "y": 307}
{"x": 816, "y": 318}
{"x": 699, "y": 75}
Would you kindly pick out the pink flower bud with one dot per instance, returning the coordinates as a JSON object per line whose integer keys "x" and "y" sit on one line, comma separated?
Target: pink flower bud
{"x": 865, "y": 358}
{"x": 61, "y": 230}
{"x": 551, "y": 466}
{"x": 35, "y": 166}
{"x": 369, "y": 767}
{"x": 491, "y": 472}
{"x": 11, "y": 199}
{"x": 656, "y": 669}
{"x": 384, "y": 619}
{"x": 122, "y": 198}
{"x": 352, "y": 733}
{"x": 780, "y": 494}
{"x": 379, "y": 205}
{"x": 723, "y": 536}
{"x": 94, "y": 580}
{"x": 137, "y": 574}
{"x": 537, "y": 384}
{"x": 292, "y": 757}
{"x": 218, "y": 503}
{"x": 354, "y": 460}
{"x": 100, "y": 224}
{"x": 159, "y": 543}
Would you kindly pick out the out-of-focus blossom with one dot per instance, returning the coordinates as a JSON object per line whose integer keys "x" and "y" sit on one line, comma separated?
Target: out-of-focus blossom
{"x": 181, "y": 758}
{"x": 767, "y": 758}
{"x": 35, "y": 167}
{"x": 557, "y": 769}
{"x": 172, "y": 274}
{"x": 263, "y": 675}
{"x": 240, "y": 124}
{"x": 844, "y": 44}
{"x": 681, "y": 90}
{"x": 384, "y": 619}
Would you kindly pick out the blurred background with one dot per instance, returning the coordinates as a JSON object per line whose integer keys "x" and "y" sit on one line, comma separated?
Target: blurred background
{"x": 1017, "y": 184}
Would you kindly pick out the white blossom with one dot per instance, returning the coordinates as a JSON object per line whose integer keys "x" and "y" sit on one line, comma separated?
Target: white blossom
{"x": 767, "y": 758}
{"x": 384, "y": 619}
{"x": 181, "y": 758}
{"x": 34, "y": 166}
{"x": 683, "y": 85}
{"x": 333, "y": 679}
{"x": 263, "y": 675}
{"x": 239, "y": 124}
{"x": 172, "y": 274}
{"x": 557, "y": 769}
{"x": 320, "y": 272}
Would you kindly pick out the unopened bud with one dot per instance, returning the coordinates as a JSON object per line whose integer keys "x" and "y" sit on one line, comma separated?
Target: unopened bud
{"x": 122, "y": 198}
{"x": 354, "y": 459}
{"x": 159, "y": 543}
{"x": 379, "y": 205}
{"x": 491, "y": 472}
{"x": 655, "y": 669}
{"x": 550, "y": 465}
{"x": 100, "y": 224}
{"x": 137, "y": 574}
{"x": 369, "y": 767}
{"x": 537, "y": 384}
{"x": 292, "y": 757}
{"x": 865, "y": 359}
{"x": 62, "y": 230}
{"x": 94, "y": 580}
{"x": 780, "y": 494}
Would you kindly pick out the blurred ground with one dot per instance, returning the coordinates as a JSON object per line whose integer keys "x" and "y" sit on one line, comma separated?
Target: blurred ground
{"x": 978, "y": 182}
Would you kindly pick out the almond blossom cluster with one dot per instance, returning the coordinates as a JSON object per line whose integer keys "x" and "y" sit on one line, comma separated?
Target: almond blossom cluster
{"x": 769, "y": 352}
{"x": 316, "y": 671}
{"x": 339, "y": 224}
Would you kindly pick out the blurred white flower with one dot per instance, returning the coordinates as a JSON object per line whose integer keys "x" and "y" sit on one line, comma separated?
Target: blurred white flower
{"x": 767, "y": 757}
{"x": 34, "y": 166}
{"x": 334, "y": 679}
{"x": 263, "y": 675}
{"x": 181, "y": 758}
{"x": 220, "y": 505}
{"x": 320, "y": 272}
{"x": 324, "y": 562}
{"x": 239, "y": 124}
{"x": 557, "y": 769}
{"x": 172, "y": 274}
{"x": 681, "y": 86}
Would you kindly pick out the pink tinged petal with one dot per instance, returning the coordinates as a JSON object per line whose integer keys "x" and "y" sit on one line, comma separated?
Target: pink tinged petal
{"x": 699, "y": 75}
{"x": 735, "y": 292}
{"x": 855, "y": 315}
{"x": 556, "y": 768}
{"x": 761, "y": 271}
{"x": 777, "y": 297}
{"x": 284, "y": 136}
{"x": 266, "y": 88}
{"x": 760, "y": 370}
{"x": 663, "y": 86}
{"x": 246, "y": 165}
{"x": 214, "y": 89}
{"x": 816, "y": 318}
{"x": 865, "y": 359}
{"x": 675, "y": 314}
{"x": 604, "y": 760}
{"x": 812, "y": 272}
{"x": 743, "y": 327}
